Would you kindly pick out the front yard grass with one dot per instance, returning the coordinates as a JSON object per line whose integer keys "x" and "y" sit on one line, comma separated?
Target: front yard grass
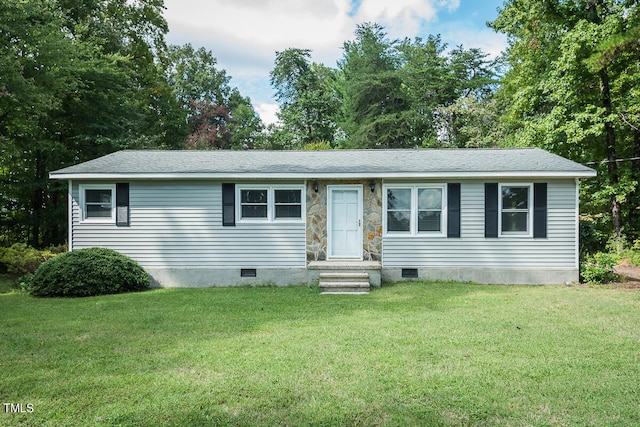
{"x": 408, "y": 354}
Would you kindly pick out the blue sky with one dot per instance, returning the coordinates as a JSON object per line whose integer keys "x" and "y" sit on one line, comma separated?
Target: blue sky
{"x": 245, "y": 34}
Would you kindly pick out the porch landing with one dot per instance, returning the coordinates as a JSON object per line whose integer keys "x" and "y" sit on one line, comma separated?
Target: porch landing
{"x": 344, "y": 277}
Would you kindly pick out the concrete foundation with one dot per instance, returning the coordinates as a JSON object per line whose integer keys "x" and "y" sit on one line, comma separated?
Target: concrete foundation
{"x": 210, "y": 277}
{"x": 498, "y": 276}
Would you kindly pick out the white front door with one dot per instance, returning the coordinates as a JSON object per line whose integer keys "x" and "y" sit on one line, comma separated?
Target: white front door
{"x": 345, "y": 221}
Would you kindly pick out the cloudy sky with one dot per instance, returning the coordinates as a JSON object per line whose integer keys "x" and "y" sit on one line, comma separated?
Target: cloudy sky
{"x": 245, "y": 34}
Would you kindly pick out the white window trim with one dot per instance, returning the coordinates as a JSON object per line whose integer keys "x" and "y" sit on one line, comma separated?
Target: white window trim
{"x": 83, "y": 212}
{"x": 529, "y": 232}
{"x": 271, "y": 205}
{"x": 413, "y": 231}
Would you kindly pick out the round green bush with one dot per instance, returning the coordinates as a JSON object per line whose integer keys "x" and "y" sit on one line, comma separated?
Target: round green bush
{"x": 87, "y": 272}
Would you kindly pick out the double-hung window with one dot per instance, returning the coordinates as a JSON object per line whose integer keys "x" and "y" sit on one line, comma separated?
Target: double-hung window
{"x": 270, "y": 203}
{"x": 515, "y": 209}
{"x": 97, "y": 203}
{"x": 415, "y": 209}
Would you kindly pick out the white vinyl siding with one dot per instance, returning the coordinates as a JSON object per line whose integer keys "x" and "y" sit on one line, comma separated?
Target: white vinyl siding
{"x": 179, "y": 224}
{"x": 557, "y": 250}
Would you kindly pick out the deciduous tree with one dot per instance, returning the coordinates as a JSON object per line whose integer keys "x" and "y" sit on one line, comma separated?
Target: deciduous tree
{"x": 571, "y": 94}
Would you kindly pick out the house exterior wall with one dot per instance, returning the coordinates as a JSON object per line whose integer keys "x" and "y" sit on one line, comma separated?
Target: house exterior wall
{"x": 513, "y": 259}
{"x": 176, "y": 234}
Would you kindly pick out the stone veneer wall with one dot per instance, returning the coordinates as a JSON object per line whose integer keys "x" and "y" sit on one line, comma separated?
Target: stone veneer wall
{"x": 317, "y": 219}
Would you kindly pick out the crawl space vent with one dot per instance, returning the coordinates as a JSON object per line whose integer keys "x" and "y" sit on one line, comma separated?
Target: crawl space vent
{"x": 410, "y": 273}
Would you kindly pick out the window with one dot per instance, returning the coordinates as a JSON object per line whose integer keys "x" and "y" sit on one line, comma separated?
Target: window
{"x": 288, "y": 203}
{"x": 415, "y": 209}
{"x": 253, "y": 203}
{"x": 97, "y": 203}
{"x": 270, "y": 203}
{"x": 399, "y": 209}
{"x": 515, "y": 209}
{"x": 429, "y": 209}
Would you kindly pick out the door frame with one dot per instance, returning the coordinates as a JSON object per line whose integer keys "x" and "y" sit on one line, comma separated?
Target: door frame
{"x": 343, "y": 187}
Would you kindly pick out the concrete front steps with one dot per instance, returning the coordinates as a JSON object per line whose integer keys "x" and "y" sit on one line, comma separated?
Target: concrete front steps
{"x": 344, "y": 283}
{"x": 344, "y": 276}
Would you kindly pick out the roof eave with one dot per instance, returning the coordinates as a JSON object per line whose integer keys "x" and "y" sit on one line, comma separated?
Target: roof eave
{"x": 325, "y": 175}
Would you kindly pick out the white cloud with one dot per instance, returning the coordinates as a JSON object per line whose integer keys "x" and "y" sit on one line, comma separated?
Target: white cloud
{"x": 256, "y": 29}
{"x": 486, "y": 40}
{"x": 268, "y": 112}
{"x": 403, "y": 18}
{"x": 407, "y": 15}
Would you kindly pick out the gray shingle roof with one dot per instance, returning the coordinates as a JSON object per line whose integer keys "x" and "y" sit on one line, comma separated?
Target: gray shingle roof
{"x": 531, "y": 162}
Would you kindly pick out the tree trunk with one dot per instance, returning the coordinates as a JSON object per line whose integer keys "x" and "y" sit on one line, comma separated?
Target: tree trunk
{"x": 37, "y": 201}
{"x": 610, "y": 139}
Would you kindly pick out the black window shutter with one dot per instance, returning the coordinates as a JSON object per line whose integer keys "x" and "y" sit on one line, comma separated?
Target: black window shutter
{"x": 228, "y": 205}
{"x": 491, "y": 210}
{"x": 122, "y": 204}
{"x": 453, "y": 210}
{"x": 540, "y": 210}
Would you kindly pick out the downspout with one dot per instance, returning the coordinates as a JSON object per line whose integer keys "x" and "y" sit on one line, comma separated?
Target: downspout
{"x": 577, "y": 228}
{"x": 70, "y": 216}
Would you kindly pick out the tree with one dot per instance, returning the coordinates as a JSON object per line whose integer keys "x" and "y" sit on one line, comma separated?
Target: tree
{"x": 470, "y": 123}
{"x": 73, "y": 85}
{"x": 568, "y": 94}
{"x": 215, "y": 115}
{"x": 436, "y": 81}
{"x": 308, "y": 104}
{"x": 394, "y": 93}
{"x": 376, "y": 104}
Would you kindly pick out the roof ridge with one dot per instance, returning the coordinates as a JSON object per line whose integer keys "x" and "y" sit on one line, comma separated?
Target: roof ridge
{"x": 332, "y": 150}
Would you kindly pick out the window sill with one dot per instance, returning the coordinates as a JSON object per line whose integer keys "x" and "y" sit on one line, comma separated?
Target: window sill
{"x": 415, "y": 236}
{"x": 98, "y": 221}
{"x": 267, "y": 221}
{"x": 516, "y": 235}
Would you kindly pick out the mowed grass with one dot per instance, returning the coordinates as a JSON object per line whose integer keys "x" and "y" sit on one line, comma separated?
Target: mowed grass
{"x": 442, "y": 354}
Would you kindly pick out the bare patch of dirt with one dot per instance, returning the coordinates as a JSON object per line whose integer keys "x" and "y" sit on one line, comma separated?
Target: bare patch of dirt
{"x": 630, "y": 275}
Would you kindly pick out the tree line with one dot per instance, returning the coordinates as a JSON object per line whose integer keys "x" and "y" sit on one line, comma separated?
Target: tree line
{"x": 80, "y": 79}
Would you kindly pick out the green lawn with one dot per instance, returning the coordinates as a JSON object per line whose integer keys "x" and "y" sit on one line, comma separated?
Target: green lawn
{"x": 408, "y": 354}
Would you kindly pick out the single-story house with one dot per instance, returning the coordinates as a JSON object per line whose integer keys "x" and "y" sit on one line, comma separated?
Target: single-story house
{"x": 215, "y": 218}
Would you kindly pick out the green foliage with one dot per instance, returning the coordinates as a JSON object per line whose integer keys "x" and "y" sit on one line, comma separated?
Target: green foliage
{"x": 317, "y": 146}
{"x": 79, "y": 80}
{"x": 22, "y": 259}
{"x": 593, "y": 236}
{"x": 385, "y": 94}
{"x": 599, "y": 268}
{"x": 633, "y": 256}
{"x": 86, "y": 272}
{"x": 7, "y": 283}
{"x": 307, "y": 97}
{"x": 572, "y": 88}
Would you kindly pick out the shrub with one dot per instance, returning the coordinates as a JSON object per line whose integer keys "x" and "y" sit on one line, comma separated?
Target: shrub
{"x": 21, "y": 259}
{"x": 599, "y": 268}
{"x": 86, "y": 272}
{"x": 633, "y": 253}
